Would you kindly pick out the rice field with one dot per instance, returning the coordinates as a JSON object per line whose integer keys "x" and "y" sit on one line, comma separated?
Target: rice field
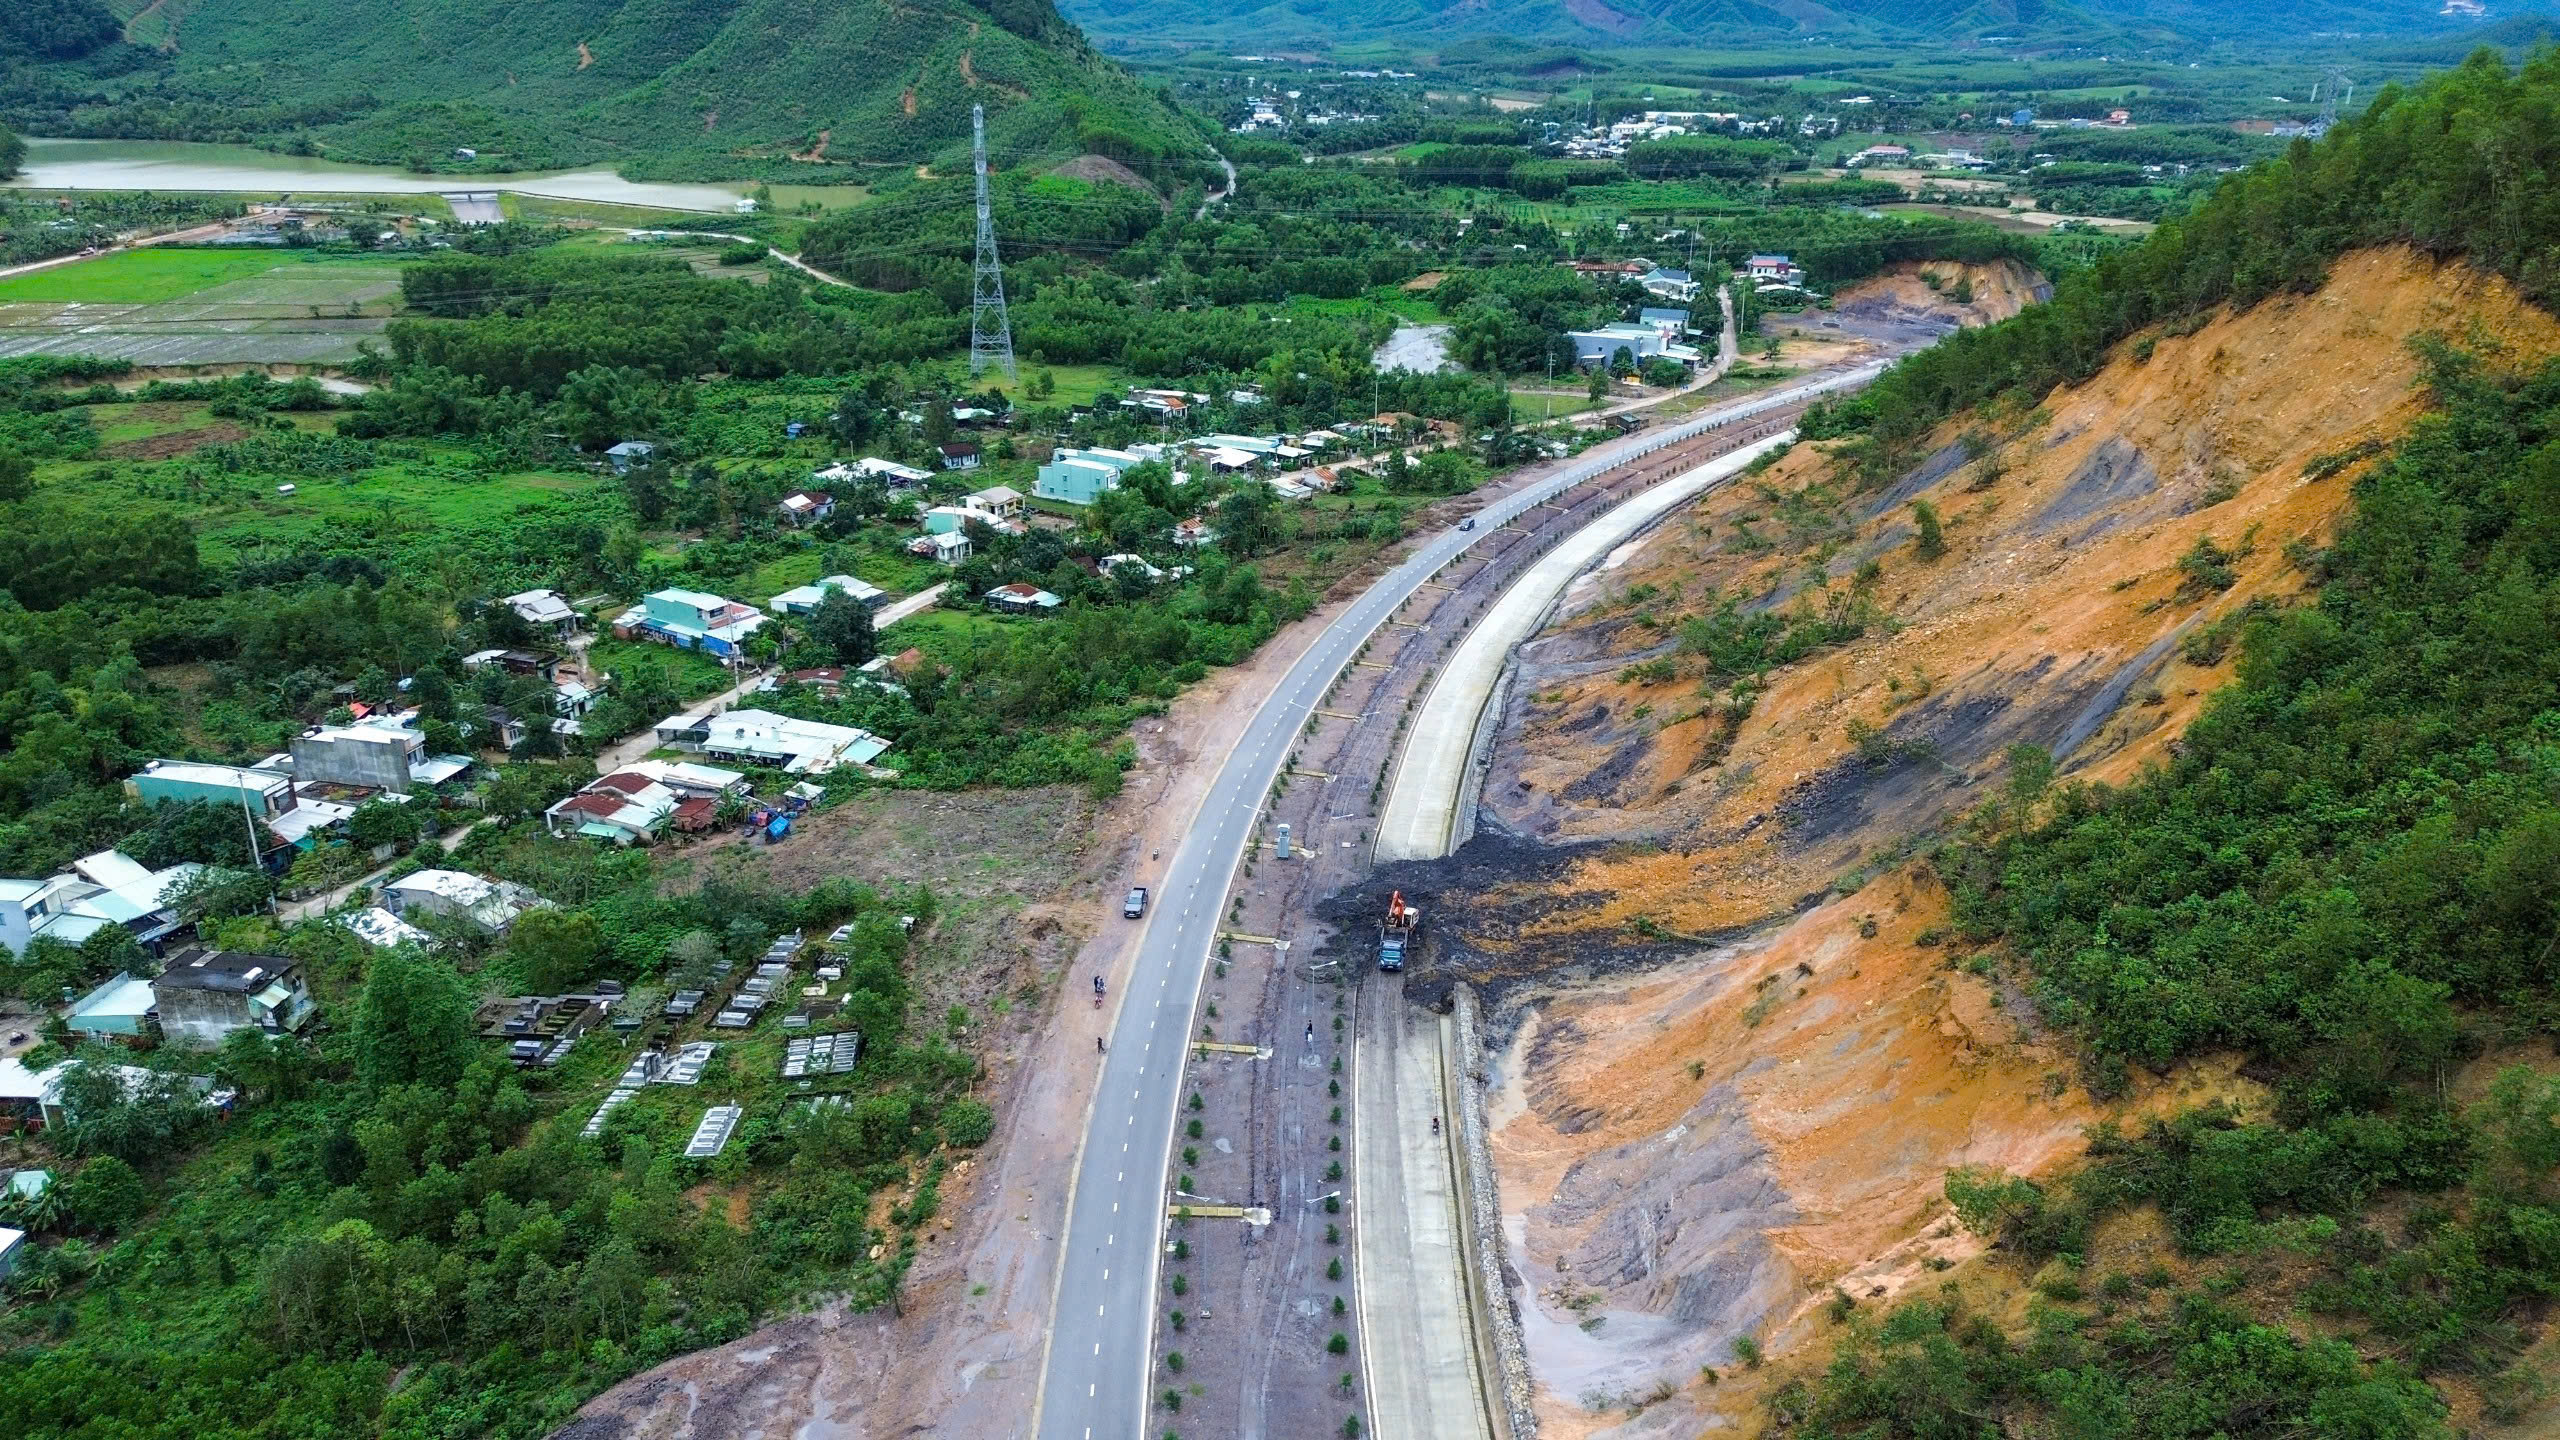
{"x": 178, "y": 307}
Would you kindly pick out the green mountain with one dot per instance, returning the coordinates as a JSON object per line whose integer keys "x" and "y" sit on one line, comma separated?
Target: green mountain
{"x": 662, "y": 86}
{"x": 1276, "y": 24}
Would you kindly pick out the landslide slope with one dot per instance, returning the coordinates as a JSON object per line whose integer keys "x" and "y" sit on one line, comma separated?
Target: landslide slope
{"x": 1720, "y": 1147}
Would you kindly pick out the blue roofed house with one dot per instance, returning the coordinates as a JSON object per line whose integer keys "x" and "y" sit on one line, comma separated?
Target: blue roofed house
{"x": 1678, "y": 320}
{"x": 804, "y": 599}
{"x": 119, "y": 1009}
{"x": 690, "y": 620}
{"x": 629, "y": 453}
{"x": 264, "y": 793}
{"x": 98, "y": 891}
{"x": 1079, "y": 477}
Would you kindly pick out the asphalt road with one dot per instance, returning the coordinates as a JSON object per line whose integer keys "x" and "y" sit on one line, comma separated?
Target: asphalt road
{"x": 1094, "y": 1376}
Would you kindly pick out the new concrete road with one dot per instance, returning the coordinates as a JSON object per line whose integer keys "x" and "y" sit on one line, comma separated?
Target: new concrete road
{"x": 1417, "y": 1339}
{"x": 1420, "y": 819}
{"x": 1094, "y": 1375}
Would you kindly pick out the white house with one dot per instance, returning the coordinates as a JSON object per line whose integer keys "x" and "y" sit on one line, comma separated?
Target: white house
{"x": 950, "y": 547}
{"x": 544, "y": 608}
{"x": 1002, "y": 501}
{"x": 493, "y": 905}
{"x": 807, "y": 507}
{"x": 802, "y": 599}
{"x": 797, "y": 747}
{"x": 1773, "y": 270}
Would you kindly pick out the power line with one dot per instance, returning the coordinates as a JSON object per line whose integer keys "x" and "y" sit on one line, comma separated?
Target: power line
{"x": 988, "y": 344}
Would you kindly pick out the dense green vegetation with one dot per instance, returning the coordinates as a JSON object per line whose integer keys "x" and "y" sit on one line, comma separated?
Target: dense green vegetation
{"x": 201, "y": 569}
{"x": 396, "y": 1196}
{"x": 704, "y": 89}
{"x": 2392, "y": 176}
{"x": 1691, "y": 23}
{"x": 2344, "y": 874}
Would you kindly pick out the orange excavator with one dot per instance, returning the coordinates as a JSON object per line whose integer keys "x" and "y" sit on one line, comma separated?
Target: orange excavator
{"x": 1396, "y": 932}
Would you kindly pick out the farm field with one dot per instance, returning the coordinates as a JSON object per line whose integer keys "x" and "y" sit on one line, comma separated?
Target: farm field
{"x": 237, "y": 517}
{"x": 201, "y": 307}
{"x": 140, "y": 276}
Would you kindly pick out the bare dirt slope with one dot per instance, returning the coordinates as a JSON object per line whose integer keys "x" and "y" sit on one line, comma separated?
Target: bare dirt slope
{"x": 1699, "y": 1134}
{"x": 2060, "y": 599}
{"x": 1977, "y": 294}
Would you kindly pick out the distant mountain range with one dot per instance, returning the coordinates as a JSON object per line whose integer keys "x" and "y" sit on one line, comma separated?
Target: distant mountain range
{"x": 1271, "y": 24}
{"x": 690, "y": 85}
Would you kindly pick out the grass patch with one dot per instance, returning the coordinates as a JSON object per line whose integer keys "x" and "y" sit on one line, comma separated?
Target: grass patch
{"x": 696, "y": 675}
{"x": 141, "y": 277}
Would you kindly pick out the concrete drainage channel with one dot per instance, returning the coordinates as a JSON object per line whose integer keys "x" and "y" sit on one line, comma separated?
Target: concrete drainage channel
{"x": 1431, "y": 1225}
{"x": 1465, "y": 1384}
{"x": 1420, "y": 821}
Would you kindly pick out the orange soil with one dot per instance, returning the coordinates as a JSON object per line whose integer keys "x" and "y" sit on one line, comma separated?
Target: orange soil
{"x": 1809, "y": 1147}
{"x": 1863, "y": 1083}
{"x": 2014, "y": 610}
{"x": 2000, "y": 289}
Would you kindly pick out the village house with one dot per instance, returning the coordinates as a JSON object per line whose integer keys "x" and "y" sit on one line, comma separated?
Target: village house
{"x": 545, "y": 609}
{"x": 205, "y": 995}
{"x": 1001, "y": 501}
{"x": 690, "y": 620}
{"x": 760, "y": 737}
{"x": 629, "y": 454}
{"x": 889, "y": 473}
{"x": 382, "y": 755}
{"x": 1079, "y": 477}
{"x": 540, "y": 663}
{"x": 1773, "y": 270}
{"x": 264, "y": 795}
{"x": 377, "y": 926}
{"x": 1020, "y": 598}
{"x": 34, "y": 1098}
{"x": 802, "y": 599}
{"x": 1673, "y": 285}
{"x": 119, "y": 1009}
{"x": 625, "y": 808}
{"x": 1621, "y": 339}
{"x": 807, "y": 507}
{"x": 959, "y": 455}
{"x": 491, "y": 905}
{"x": 949, "y": 547}
{"x": 107, "y": 889}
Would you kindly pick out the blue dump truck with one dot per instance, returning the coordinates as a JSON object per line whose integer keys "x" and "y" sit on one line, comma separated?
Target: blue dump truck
{"x": 1396, "y": 932}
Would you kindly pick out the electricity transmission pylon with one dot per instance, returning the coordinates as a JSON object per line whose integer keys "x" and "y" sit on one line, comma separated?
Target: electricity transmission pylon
{"x": 990, "y": 329}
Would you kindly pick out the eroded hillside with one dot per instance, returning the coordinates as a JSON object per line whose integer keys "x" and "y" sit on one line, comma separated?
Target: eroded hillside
{"x": 2055, "y": 617}
{"x": 1703, "y": 1141}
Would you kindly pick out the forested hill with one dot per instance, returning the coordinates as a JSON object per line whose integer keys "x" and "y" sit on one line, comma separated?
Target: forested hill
{"x": 1271, "y": 23}
{"x": 670, "y": 87}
